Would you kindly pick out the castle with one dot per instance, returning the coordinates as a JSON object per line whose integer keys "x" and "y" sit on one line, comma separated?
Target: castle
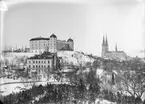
{"x": 112, "y": 54}
{"x": 51, "y": 44}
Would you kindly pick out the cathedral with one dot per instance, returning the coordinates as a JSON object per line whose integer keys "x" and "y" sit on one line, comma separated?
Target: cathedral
{"x": 118, "y": 55}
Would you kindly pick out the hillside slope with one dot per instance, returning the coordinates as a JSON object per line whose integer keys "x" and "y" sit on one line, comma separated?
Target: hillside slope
{"x": 75, "y": 58}
{"x": 69, "y": 57}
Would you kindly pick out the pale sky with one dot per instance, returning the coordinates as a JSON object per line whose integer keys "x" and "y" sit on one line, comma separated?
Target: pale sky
{"x": 84, "y": 21}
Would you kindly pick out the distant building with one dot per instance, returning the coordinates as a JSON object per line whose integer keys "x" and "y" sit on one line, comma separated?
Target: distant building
{"x": 120, "y": 55}
{"x": 15, "y": 49}
{"x": 46, "y": 62}
{"x": 40, "y": 63}
{"x": 51, "y": 44}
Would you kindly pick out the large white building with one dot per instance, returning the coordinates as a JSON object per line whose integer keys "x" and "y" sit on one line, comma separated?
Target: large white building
{"x": 51, "y": 44}
{"x": 42, "y": 63}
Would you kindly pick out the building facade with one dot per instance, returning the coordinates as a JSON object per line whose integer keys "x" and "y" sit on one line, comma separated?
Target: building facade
{"x": 40, "y": 63}
{"x": 119, "y": 55}
{"x": 51, "y": 44}
{"x": 43, "y": 63}
{"x": 39, "y": 44}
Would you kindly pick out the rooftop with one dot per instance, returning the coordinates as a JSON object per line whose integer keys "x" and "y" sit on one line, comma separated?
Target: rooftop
{"x": 45, "y": 55}
{"x": 69, "y": 40}
{"x": 54, "y": 36}
{"x": 39, "y": 38}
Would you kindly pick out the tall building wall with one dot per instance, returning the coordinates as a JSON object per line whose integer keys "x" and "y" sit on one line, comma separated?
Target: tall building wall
{"x": 61, "y": 44}
{"x": 51, "y": 44}
{"x": 38, "y": 45}
{"x": 71, "y": 45}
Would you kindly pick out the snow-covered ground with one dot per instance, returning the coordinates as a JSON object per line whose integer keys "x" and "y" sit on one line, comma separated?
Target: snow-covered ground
{"x": 13, "y": 88}
{"x": 13, "y": 54}
{"x": 103, "y": 101}
{"x": 9, "y": 86}
{"x": 74, "y": 57}
{"x": 71, "y": 57}
{"x": 6, "y": 80}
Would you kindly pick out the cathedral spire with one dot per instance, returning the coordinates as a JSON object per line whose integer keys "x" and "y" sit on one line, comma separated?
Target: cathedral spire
{"x": 106, "y": 40}
{"x": 103, "y": 43}
{"x": 116, "y": 47}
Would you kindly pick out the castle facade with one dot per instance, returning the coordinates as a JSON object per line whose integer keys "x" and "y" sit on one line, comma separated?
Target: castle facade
{"x": 51, "y": 44}
{"x": 120, "y": 55}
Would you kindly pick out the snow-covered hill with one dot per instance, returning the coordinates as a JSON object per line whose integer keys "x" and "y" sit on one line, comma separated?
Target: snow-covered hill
{"x": 75, "y": 58}
{"x": 69, "y": 57}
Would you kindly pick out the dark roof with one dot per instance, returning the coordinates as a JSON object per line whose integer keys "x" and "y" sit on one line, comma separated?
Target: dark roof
{"x": 54, "y": 36}
{"x": 115, "y": 52}
{"x": 120, "y": 51}
{"x": 39, "y": 38}
{"x": 69, "y": 40}
{"x": 45, "y": 55}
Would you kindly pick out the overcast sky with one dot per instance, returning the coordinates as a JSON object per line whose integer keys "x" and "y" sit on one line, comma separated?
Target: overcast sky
{"x": 84, "y": 21}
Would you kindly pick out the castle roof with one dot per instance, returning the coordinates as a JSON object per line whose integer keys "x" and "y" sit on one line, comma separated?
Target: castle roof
{"x": 69, "y": 40}
{"x": 53, "y": 36}
{"x": 39, "y": 38}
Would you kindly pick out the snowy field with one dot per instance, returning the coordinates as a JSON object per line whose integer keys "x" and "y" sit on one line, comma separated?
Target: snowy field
{"x": 9, "y": 86}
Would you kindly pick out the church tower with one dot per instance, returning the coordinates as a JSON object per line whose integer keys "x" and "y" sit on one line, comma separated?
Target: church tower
{"x": 116, "y": 48}
{"x": 105, "y": 48}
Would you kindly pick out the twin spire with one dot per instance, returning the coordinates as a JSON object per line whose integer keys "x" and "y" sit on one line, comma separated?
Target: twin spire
{"x": 105, "y": 41}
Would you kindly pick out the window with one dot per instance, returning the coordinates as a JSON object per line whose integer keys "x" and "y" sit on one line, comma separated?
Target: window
{"x": 29, "y": 61}
{"x": 33, "y": 61}
{"x": 29, "y": 66}
{"x": 48, "y": 66}
{"x": 33, "y": 66}
{"x": 42, "y": 66}
{"x": 39, "y": 66}
{"x": 36, "y": 66}
{"x": 39, "y": 61}
{"x": 48, "y": 62}
{"x": 36, "y": 61}
{"x": 44, "y": 61}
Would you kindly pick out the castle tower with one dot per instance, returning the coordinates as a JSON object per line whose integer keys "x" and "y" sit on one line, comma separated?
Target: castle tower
{"x": 71, "y": 44}
{"x": 53, "y": 44}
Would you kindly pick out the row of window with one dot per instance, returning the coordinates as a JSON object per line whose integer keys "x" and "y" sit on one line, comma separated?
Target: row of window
{"x": 37, "y": 44}
{"x": 39, "y": 66}
{"x": 42, "y": 44}
{"x": 39, "y": 41}
{"x": 39, "y": 62}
